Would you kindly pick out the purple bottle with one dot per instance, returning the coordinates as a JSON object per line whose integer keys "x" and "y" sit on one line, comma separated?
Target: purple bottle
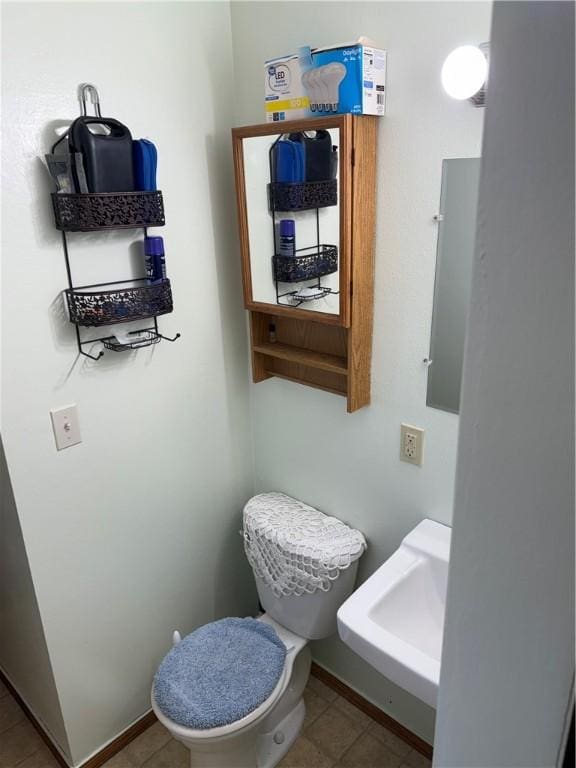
{"x": 287, "y": 246}
{"x": 155, "y": 259}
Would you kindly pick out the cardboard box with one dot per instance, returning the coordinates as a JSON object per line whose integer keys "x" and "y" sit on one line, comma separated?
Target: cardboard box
{"x": 326, "y": 81}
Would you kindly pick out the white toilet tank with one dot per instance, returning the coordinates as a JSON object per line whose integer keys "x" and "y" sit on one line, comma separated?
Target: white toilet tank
{"x": 310, "y": 616}
{"x": 304, "y": 562}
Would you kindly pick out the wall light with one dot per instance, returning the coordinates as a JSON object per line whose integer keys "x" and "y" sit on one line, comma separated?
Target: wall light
{"x": 465, "y": 73}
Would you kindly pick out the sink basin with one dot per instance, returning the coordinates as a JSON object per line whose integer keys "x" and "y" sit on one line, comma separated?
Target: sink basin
{"x": 395, "y": 620}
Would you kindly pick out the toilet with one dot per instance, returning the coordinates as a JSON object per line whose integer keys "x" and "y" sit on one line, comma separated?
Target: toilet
{"x": 232, "y": 691}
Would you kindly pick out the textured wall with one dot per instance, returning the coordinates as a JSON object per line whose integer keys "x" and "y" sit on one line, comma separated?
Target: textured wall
{"x": 133, "y": 532}
{"x": 305, "y": 443}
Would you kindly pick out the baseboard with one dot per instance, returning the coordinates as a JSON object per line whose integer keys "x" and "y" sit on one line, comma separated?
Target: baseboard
{"x": 121, "y": 741}
{"x": 372, "y": 710}
{"x": 104, "y": 754}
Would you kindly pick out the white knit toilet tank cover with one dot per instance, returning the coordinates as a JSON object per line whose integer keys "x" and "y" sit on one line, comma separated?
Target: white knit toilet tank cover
{"x": 294, "y": 548}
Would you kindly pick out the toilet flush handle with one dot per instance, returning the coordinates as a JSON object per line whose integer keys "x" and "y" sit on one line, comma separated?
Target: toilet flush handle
{"x": 176, "y": 637}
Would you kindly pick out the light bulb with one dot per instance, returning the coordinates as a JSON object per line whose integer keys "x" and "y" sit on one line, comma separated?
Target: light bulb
{"x": 332, "y": 75}
{"x": 319, "y": 88}
{"x": 311, "y": 85}
{"x": 324, "y": 90}
{"x": 322, "y": 85}
{"x": 464, "y": 72}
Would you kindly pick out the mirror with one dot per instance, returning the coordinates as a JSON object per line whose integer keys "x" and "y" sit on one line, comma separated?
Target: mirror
{"x": 310, "y": 277}
{"x": 455, "y": 252}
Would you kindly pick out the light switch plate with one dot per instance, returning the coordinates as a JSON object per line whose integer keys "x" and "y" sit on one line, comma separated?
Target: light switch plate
{"x": 411, "y": 444}
{"x": 66, "y": 426}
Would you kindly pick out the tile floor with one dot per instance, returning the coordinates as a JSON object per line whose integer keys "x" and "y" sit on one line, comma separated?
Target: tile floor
{"x": 335, "y": 735}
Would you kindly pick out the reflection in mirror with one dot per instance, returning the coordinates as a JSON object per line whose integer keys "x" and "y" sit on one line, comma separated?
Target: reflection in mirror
{"x": 294, "y": 251}
{"x": 456, "y": 238}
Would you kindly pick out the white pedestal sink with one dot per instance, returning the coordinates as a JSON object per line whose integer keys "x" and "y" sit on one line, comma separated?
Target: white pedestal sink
{"x": 395, "y": 620}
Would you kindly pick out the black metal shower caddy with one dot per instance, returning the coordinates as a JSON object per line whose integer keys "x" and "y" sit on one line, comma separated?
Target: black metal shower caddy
{"x": 313, "y": 262}
{"x": 121, "y": 301}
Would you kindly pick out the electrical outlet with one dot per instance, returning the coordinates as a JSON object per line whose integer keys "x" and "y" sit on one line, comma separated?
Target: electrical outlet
{"x": 411, "y": 444}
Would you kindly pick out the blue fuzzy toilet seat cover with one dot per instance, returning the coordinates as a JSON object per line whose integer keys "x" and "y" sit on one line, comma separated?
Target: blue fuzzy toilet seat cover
{"x": 219, "y": 673}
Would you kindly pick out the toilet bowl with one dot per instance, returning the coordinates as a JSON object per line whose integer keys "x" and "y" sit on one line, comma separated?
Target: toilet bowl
{"x": 301, "y": 604}
{"x": 263, "y": 737}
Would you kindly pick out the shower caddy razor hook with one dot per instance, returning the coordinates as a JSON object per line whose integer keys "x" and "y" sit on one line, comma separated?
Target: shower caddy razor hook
{"x": 86, "y": 90}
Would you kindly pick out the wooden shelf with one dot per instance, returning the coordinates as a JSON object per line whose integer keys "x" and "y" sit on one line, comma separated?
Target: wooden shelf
{"x": 308, "y": 357}
{"x": 313, "y": 384}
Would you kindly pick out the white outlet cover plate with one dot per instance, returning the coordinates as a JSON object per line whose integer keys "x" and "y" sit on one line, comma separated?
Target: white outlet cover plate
{"x": 66, "y": 426}
{"x": 411, "y": 444}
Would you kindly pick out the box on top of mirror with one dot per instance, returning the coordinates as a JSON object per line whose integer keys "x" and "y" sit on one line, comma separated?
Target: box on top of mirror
{"x": 317, "y": 82}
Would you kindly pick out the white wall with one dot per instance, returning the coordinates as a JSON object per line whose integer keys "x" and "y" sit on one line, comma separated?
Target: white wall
{"x": 133, "y": 532}
{"x": 508, "y": 660}
{"x": 305, "y": 443}
{"x": 23, "y": 649}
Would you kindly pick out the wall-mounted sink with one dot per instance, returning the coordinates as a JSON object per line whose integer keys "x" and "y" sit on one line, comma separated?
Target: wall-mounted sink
{"x": 395, "y": 620}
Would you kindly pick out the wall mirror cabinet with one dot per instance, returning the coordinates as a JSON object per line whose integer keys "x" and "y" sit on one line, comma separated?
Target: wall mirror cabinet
{"x": 305, "y": 192}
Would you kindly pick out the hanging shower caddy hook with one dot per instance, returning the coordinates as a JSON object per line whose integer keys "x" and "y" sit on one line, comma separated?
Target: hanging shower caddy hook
{"x": 87, "y": 89}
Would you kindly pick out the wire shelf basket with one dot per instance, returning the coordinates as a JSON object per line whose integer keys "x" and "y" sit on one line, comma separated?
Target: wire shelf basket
{"x": 284, "y": 196}
{"x": 306, "y": 264}
{"x": 90, "y": 307}
{"x": 310, "y": 293}
{"x": 141, "y": 339}
{"x": 107, "y": 210}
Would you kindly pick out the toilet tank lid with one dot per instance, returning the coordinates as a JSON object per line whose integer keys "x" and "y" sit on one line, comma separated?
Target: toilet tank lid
{"x": 294, "y": 548}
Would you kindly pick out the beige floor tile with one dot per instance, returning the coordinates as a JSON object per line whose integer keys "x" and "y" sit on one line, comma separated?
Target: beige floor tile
{"x": 395, "y": 743}
{"x": 10, "y": 713}
{"x": 333, "y": 732}
{"x": 120, "y": 760}
{"x": 416, "y": 760}
{"x": 305, "y": 754}
{"x": 369, "y": 752}
{"x": 173, "y": 755}
{"x": 315, "y": 705}
{"x": 43, "y": 758}
{"x": 321, "y": 689}
{"x": 18, "y": 743}
{"x": 149, "y": 742}
{"x": 348, "y": 709}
